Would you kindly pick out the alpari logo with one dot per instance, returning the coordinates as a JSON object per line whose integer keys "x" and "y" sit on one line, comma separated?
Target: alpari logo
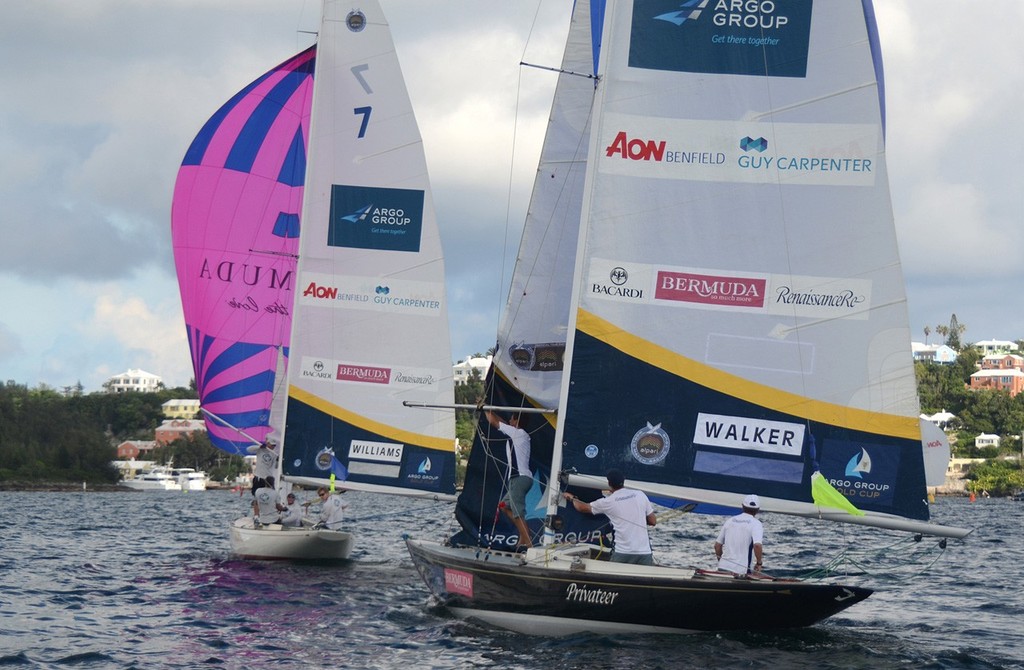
{"x": 359, "y": 215}
{"x": 636, "y": 149}
{"x": 859, "y": 465}
{"x": 424, "y": 467}
{"x": 691, "y": 9}
{"x": 618, "y": 276}
{"x": 750, "y": 144}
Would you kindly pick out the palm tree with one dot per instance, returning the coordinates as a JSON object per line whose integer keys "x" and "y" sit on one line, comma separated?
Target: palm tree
{"x": 927, "y": 332}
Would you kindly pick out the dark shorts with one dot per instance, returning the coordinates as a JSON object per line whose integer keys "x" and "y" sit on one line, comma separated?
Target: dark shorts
{"x": 634, "y": 559}
{"x": 257, "y": 482}
{"x": 515, "y": 498}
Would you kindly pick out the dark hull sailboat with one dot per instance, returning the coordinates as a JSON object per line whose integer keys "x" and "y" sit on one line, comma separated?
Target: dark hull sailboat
{"x": 566, "y": 591}
{"x": 712, "y": 232}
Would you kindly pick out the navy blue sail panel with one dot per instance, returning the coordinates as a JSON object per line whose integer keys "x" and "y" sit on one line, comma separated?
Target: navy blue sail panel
{"x": 477, "y": 510}
{"x": 321, "y": 444}
{"x": 667, "y": 429}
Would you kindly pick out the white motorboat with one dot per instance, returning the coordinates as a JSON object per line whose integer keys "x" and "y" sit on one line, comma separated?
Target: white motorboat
{"x": 190, "y": 479}
{"x": 275, "y": 541}
{"x": 158, "y": 478}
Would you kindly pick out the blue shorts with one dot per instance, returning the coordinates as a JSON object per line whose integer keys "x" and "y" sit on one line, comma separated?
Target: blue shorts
{"x": 515, "y": 498}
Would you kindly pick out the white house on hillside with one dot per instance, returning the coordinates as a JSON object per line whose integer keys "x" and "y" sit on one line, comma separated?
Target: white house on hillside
{"x": 995, "y": 346}
{"x": 940, "y": 419}
{"x": 133, "y": 380}
{"x": 934, "y": 353}
{"x": 462, "y": 371}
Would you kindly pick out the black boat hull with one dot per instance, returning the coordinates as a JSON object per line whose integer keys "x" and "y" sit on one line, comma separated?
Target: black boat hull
{"x": 551, "y": 594}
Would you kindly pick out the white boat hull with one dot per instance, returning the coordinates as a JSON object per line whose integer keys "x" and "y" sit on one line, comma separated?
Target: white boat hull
{"x": 277, "y": 542}
{"x": 151, "y": 484}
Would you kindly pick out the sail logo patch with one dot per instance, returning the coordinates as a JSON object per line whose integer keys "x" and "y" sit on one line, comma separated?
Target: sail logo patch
{"x": 385, "y": 452}
{"x": 385, "y": 219}
{"x": 750, "y": 144}
{"x": 691, "y": 10}
{"x": 767, "y": 38}
{"x": 423, "y": 473}
{"x": 814, "y": 154}
{"x": 734, "y": 432}
{"x": 710, "y": 289}
{"x": 859, "y": 464}
{"x": 363, "y": 373}
{"x": 611, "y": 279}
{"x": 658, "y": 151}
{"x": 367, "y": 293}
{"x": 650, "y": 445}
{"x": 545, "y": 357}
{"x": 864, "y": 473}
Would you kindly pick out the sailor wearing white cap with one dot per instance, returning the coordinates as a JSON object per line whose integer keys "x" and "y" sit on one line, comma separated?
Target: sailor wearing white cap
{"x": 739, "y": 541}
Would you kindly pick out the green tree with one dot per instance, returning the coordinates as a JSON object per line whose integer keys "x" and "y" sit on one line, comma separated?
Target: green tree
{"x": 953, "y": 333}
{"x": 1000, "y": 477}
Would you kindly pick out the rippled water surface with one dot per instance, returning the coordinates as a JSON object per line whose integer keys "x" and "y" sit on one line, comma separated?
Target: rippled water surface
{"x": 131, "y": 580}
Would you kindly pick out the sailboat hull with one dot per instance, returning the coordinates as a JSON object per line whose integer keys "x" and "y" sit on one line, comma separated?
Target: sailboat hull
{"x": 277, "y": 542}
{"x": 565, "y": 592}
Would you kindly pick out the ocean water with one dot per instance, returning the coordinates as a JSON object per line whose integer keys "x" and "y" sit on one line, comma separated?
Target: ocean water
{"x": 132, "y": 580}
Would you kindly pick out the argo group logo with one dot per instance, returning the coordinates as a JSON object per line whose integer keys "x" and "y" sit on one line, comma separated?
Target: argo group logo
{"x": 862, "y": 472}
{"x": 364, "y": 217}
{"x": 748, "y": 37}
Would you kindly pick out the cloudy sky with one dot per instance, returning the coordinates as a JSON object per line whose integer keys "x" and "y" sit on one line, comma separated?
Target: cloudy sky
{"x": 100, "y": 98}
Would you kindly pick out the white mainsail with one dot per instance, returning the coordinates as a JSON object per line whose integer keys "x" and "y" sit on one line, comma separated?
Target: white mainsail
{"x": 370, "y": 328}
{"x": 738, "y": 283}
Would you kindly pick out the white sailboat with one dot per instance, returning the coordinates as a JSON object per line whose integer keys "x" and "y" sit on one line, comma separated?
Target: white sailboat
{"x": 736, "y": 322}
{"x": 319, "y": 334}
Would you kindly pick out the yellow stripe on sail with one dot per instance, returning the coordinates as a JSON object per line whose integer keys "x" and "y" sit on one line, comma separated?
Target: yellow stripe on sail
{"x": 737, "y": 387}
{"x": 383, "y": 429}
